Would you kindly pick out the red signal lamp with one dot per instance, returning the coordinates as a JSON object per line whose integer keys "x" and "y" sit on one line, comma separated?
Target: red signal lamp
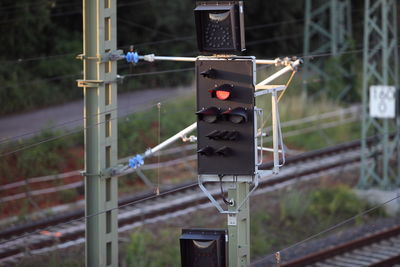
{"x": 222, "y": 92}
{"x": 222, "y": 95}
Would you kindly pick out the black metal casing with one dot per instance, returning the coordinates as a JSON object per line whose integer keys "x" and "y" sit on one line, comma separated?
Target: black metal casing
{"x": 203, "y": 248}
{"x": 220, "y": 26}
{"x": 233, "y": 152}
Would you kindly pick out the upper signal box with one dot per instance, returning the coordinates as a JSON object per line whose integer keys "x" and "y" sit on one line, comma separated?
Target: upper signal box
{"x": 220, "y": 26}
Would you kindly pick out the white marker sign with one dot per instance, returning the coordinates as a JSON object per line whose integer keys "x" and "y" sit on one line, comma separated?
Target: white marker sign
{"x": 232, "y": 219}
{"x": 382, "y": 101}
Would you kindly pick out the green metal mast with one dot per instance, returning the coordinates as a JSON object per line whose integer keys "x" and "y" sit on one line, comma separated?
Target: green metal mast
{"x": 381, "y": 67}
{"x": 239, "y": 231}
{"x": 327, "y": 30}
{"x": 100, "y": 114}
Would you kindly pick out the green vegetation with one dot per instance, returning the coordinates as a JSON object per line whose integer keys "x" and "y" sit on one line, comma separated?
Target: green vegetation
{"x": 303, "y": 214}
{"x": 293, "y": 106}
{"x": 139, "y": 131}
{"x": 41, "y": 39}
{"x": 46, "y": 157}
{"x": 146, "y": 249}
{"x": 300, "y": 215}
{"x": 73, "y": 257}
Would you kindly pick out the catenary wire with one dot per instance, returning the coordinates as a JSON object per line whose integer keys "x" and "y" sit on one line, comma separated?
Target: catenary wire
{"x": 71, "y": 132}
{"x": 127, "y": 75}
{"x": 186, "y": 69}
{"x": 10, "y": 7}
{"x": 96, "y": 214}
{"x": 8, "y": 139}
{"x": 73, "y": 75}
{"x": 189, "y": 186}
{"x": 137, "y": 25}
{"x": 77, "y": 11}
{"x": 151, "y": 42}
{"x": 331, "y": 228}
{"x": 259, "y": 26}
{"x": 150, "y": 73}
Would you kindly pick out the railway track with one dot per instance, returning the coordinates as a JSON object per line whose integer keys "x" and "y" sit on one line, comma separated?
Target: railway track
{"x": 172, "y": 202}
{"x": 38, "y": 186}
{"x": 376, "y": 250}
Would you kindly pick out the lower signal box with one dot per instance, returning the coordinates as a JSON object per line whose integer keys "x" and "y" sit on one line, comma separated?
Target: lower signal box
{"x": 204, "y": 247}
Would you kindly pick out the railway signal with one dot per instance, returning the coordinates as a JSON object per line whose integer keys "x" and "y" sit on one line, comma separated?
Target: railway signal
{"x": 225, "y": 116}
{"x": 203, "y": 247}
{"x": 220, "y": 26}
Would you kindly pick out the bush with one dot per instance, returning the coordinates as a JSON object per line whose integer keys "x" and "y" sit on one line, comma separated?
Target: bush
{"x": 147, "y": 249}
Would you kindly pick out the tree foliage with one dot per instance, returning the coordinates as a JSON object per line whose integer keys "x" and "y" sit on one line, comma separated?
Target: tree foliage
{"x": 46, "y": 35}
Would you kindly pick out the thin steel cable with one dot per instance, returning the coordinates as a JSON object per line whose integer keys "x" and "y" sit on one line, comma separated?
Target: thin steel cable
{"x": 267, "y": 25}
{"x": 330, "y": 228}
{"x": 159, "y": 142}
{"x": 259, "y": 26}
{"x": 150, "y": 166}
{"x": 286, "y": 86}
{"x": 71, "y": 132}
{"x": 10, "y": 139}
{"x": 156, "y": 72}
{"x": 74, "y": 12}
{"x": 137, "y": 25}
{"x": 96, "y": 214}
{"x": 9, "y": 7}
{"x": 19, "y": 60}
{"x": 61, "y": 77}
{"x": 279, "y": 98}
{"x": 185, "y": 69}
{"x": 186, "y": 187}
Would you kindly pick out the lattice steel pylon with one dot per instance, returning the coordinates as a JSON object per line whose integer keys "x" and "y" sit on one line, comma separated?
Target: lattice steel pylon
{"x": 327, "y": 30}
{"x": 381, "y": 67}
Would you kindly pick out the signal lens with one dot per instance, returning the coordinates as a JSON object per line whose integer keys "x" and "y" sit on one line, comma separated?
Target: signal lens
{"x": 222, "y": 95}
{"x": 209, "y": 115}
{"x": 237, "y": 115}
{"x": 222, "y": 92}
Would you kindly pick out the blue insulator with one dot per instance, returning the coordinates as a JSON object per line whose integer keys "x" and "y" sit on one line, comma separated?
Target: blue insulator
{"x": 132, "y": 57}
{"x": 136, "y": 161}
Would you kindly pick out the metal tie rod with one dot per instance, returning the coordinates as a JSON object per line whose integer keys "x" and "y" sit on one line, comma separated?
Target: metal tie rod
{"x": 152, "y": 58}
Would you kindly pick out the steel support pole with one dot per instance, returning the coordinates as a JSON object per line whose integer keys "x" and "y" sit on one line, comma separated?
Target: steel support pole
{"x": 327, "y": 30}
{"x": 100, "y": 100}
{"x": 385, "y": 76}
{"x": 275, "y": 130}
{"x": 381, "y": 67}
{"x": 239, "y": 226}
{"x": 364, "y": 101}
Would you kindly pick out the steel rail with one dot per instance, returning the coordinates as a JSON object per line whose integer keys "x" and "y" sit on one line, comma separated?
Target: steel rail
{"x": 320, "y": 256}
{"x": 32, "y": 227}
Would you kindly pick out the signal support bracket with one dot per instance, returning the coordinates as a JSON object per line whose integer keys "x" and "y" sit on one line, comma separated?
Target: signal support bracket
{"x": 228, "y": 179}
{"x": 268, "y": 89}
